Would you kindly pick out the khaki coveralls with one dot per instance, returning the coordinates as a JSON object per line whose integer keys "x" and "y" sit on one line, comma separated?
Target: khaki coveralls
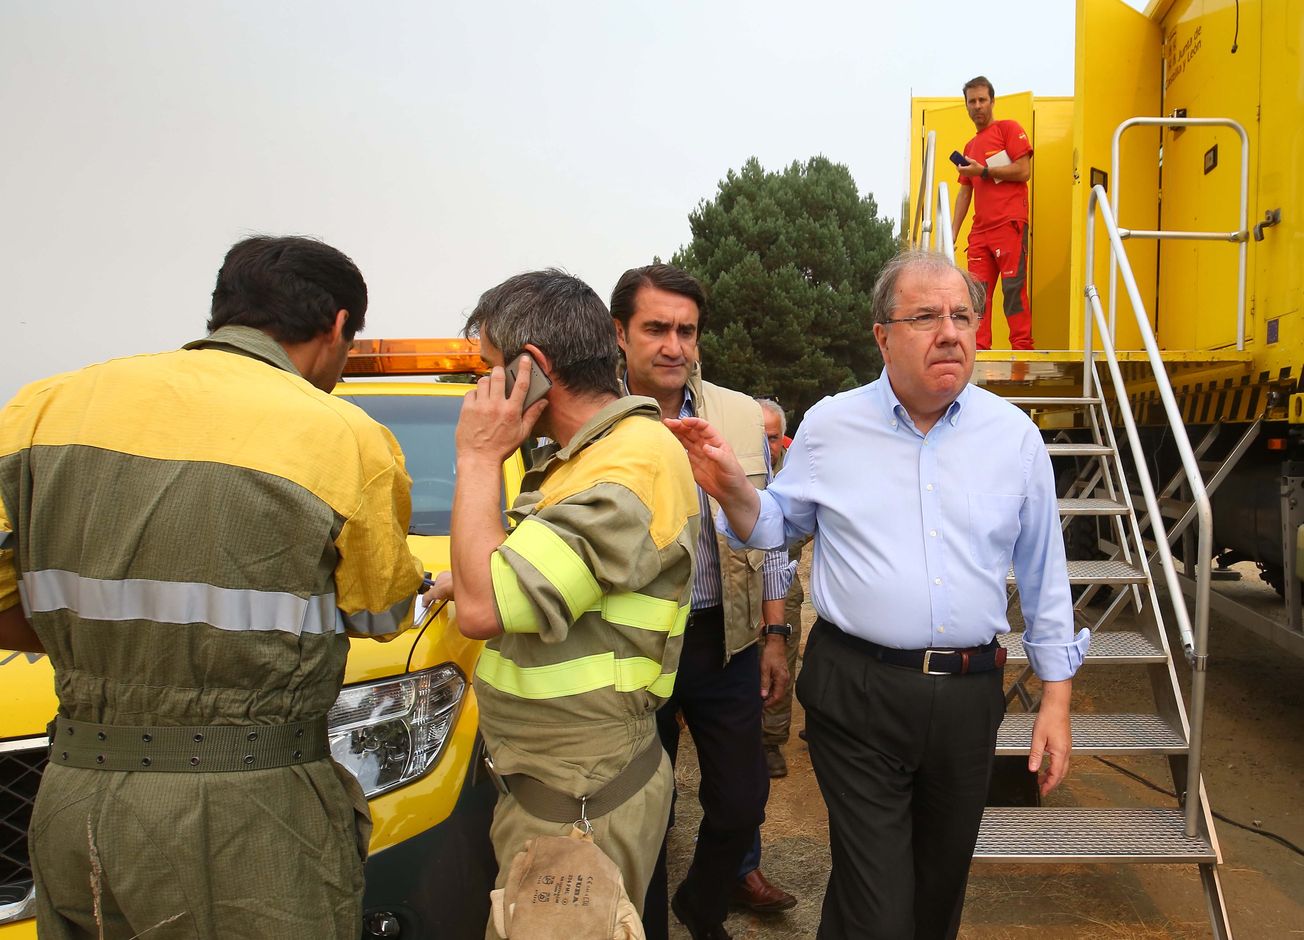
{"x": 194, "y": 535}
{"x": 592, "y": 591}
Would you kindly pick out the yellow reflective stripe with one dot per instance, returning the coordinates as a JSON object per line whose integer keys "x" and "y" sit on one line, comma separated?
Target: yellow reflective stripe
{"x": 664, "y": 685}
{"x": 681, "y": 622}
{"x": 644, "y": 612}
{"x": 574, "y": 677}
{"x": 514, "y": 607}
{"x": 554, "y": 559}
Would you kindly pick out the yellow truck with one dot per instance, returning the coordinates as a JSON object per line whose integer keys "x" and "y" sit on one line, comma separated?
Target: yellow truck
{"x": 1167, "y": 286}
{"x": 406, "y": 721}
{"x": 1190, "y": 117}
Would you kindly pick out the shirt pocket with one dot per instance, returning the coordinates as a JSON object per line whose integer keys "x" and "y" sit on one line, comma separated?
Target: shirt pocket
{"x": 993, "y": 528}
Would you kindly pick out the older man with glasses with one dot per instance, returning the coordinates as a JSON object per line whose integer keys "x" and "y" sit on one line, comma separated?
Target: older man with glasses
{"x": 921, "y": 492}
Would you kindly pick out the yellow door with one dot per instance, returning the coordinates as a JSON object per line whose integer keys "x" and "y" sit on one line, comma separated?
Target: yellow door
{"x": 1117, "y": 77}
{"x": 1277, "y": 274}
{"x": 1202, "y": 168}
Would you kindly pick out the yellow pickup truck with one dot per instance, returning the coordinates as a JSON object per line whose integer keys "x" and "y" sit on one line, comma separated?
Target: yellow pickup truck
{"x": 406, "y": 721}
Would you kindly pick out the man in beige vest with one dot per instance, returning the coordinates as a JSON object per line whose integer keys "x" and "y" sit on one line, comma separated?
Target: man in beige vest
{"x": 731, "y": 665}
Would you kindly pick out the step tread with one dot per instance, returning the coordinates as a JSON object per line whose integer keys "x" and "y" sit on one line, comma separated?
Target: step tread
{"x": 1098, "y": 734}
{"x": 1069, "y": 448}
{"x": 1034, "y": 400}
{"x": 1091, "y": 506}
{"x": 1099, "y": 572}
{"x": 1084, "y": 834}
{"x": 1113, "y": 646}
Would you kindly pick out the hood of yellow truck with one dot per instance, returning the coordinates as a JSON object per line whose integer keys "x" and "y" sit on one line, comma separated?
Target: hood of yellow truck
{"x": 27, "y": 699}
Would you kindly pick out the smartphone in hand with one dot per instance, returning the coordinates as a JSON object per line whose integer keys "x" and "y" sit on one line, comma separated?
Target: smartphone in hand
{"x": 539, "y": 381}
{"x": 958, "y": 158}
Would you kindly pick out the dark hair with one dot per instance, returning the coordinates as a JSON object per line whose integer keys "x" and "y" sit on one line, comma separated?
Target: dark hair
{"x": 665, "y": 277}
{"x": 979, "y": 82}
{"x": 561, "y": 315}
{"x": 291, "y": 288}
{"x": 883, "y": 299}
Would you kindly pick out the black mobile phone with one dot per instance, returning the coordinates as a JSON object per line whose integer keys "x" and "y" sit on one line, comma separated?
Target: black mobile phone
{"x": 958, "y": 158}
{"x": 539, "y": 381}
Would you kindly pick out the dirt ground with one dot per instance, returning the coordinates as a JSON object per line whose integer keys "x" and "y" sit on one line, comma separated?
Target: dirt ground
{"x": 1253, "y": 765}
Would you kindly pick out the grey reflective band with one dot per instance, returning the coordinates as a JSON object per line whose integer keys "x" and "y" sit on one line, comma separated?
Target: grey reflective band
{"x": 394, "y": 620}
{"x": 179, "y": 602}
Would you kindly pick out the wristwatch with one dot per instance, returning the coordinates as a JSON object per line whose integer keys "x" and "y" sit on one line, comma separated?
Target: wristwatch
{"x": 778, "y": 629}
{"x": 985, "y": 173}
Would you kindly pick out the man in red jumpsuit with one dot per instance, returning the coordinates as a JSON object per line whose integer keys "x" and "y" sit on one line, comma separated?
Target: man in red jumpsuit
{"x": 994, "y": 177}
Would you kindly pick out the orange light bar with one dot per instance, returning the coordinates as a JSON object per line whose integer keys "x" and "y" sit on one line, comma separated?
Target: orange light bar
{"x": 414, "y": 357}
{"x": 1276, "y": 443}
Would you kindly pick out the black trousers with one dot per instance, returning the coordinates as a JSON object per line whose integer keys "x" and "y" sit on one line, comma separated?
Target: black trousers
{"x": 903, "y": 761}
{"x": 722, "y": 708}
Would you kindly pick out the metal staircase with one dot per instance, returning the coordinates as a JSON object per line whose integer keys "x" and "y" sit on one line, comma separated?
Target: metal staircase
{"x": 1117, "y": 600}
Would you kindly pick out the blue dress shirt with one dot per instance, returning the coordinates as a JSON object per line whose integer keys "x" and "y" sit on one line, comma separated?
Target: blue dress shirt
{"x": 915, "y": 534}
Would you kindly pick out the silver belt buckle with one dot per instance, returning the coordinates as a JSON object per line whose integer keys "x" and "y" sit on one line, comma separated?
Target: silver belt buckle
{"x": 928, "y": 656}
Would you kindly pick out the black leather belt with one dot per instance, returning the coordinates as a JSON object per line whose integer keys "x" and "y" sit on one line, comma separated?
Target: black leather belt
{"x": 934, "y": 662}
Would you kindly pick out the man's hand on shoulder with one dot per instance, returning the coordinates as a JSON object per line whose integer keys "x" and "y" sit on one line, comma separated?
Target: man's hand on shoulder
{"x": 715, "y": 468}
{"x": 718, "y": 472}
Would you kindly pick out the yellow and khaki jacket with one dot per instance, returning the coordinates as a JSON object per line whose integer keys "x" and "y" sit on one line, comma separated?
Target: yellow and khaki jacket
{"x": 739, "y": 420}
{"x": 592, "y": 591}
{"x": 193, "y": 534}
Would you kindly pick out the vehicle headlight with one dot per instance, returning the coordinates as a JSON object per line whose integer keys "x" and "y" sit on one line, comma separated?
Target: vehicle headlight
{"x": 17, "y": 902}
{"x": 391, "y": 732}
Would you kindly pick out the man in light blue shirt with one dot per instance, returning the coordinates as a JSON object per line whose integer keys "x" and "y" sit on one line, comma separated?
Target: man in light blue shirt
{"x": 921, "y": 491}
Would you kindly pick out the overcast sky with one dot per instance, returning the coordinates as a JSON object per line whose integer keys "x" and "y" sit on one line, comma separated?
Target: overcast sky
{"x": 444, "y": 146}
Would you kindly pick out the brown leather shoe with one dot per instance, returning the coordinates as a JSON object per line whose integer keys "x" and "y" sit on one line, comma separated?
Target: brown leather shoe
{"x": 755, "y": 892}
{"x": 774, "y": 762}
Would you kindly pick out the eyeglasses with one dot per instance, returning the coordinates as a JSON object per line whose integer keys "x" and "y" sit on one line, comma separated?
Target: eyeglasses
{"x": 928, "y": 322}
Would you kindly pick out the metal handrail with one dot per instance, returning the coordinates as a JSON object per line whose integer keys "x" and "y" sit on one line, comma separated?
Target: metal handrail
{"x": 944, "y": 240}
{"x": 1194, "y": 639}
{"x": 1240, "y": 236}
{"x": 922, "y": 229}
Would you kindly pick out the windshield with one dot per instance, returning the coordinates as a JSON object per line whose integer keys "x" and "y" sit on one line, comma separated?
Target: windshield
{"x": 424, "y": 426}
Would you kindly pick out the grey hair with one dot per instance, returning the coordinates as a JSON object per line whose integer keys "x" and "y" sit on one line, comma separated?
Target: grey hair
{"x": 883, "y": 299}
{"x": 772, "y": 406}
{"x": 561, "y": 315}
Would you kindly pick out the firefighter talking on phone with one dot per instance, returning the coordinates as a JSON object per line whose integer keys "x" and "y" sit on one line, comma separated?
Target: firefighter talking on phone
{"x": 584, "y": 603}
